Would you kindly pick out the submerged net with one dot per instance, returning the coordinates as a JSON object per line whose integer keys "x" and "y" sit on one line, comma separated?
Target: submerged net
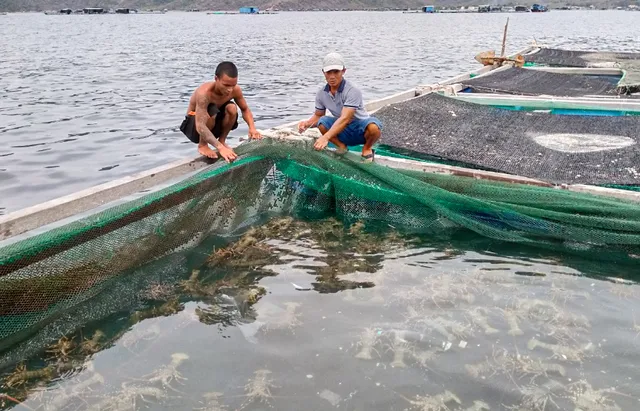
{"x": 628, "y": 62}
{"x": 522, "y": 81}
{"x": 499, "y": 330}
{"x": 555, "y": 148}
{"x": 43, "y": 277}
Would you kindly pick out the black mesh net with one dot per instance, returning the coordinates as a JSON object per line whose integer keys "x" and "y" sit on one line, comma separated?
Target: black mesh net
{"x": 629, "y": 63}
{"x": 579, "y": 58}
{"x": 554, "y": 148}
{"x": 522, "y": 81}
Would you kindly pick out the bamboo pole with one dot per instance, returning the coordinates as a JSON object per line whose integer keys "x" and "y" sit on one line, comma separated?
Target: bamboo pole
{"x": 504, "y": 38}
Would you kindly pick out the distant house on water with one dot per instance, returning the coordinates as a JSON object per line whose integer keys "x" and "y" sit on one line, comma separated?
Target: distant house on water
{"x": 539, "y": 8}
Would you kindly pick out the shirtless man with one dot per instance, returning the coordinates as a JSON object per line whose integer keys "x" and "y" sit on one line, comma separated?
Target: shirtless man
{"x": 212, "y": 115}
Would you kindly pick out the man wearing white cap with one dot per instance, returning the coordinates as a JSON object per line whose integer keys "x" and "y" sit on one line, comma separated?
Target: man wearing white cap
{"x": 350, "y": 124}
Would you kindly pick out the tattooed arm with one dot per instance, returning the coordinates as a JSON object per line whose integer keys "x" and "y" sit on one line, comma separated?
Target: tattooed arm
{"x": 206, "y": 136}
{"x": 202, "y": 116}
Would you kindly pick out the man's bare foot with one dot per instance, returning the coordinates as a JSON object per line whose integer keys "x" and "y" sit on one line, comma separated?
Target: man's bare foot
{"x": 206, "y": 151}
{"x": 341, "y": 148}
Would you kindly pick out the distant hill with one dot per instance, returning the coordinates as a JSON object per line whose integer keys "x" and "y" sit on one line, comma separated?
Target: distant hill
{"x": 206, "y": 5}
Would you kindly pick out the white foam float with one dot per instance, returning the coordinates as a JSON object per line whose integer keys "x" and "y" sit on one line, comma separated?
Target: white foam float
{"x": 582, "y": 143}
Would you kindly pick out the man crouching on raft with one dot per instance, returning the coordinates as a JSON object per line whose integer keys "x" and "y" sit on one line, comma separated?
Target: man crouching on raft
{"x": 350, "y": 125}
{"x": 212, "y": 115}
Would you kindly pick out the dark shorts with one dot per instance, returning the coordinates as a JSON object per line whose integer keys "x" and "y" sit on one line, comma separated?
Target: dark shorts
{"x": 188, "y": 126}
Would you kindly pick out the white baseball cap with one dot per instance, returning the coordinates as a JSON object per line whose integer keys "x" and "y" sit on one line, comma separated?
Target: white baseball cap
{"x": 332, "y": 61}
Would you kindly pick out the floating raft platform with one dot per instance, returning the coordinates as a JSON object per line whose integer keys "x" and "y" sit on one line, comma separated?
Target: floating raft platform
{"x": 564, "y": 125}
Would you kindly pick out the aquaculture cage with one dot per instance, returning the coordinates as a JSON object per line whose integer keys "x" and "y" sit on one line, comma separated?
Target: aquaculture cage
{"x": 56, "y": 280}
{"x": 45, "y": 275}
{"x": 561, "y": 149}
{"x": 523, "y": 81}
{"x": 628, "y": 62}
{"x": 73, "y": 288}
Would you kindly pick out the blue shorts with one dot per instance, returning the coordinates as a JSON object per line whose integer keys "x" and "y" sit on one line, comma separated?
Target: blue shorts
{"x": 353, "y": 134}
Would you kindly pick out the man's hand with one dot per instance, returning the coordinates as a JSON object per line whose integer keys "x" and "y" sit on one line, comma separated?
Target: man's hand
{"x": 303, "y": 126}
{"x": 254, "y": 134}
{"x": 321, "y": 143}
{"x": 227, "y": 153}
